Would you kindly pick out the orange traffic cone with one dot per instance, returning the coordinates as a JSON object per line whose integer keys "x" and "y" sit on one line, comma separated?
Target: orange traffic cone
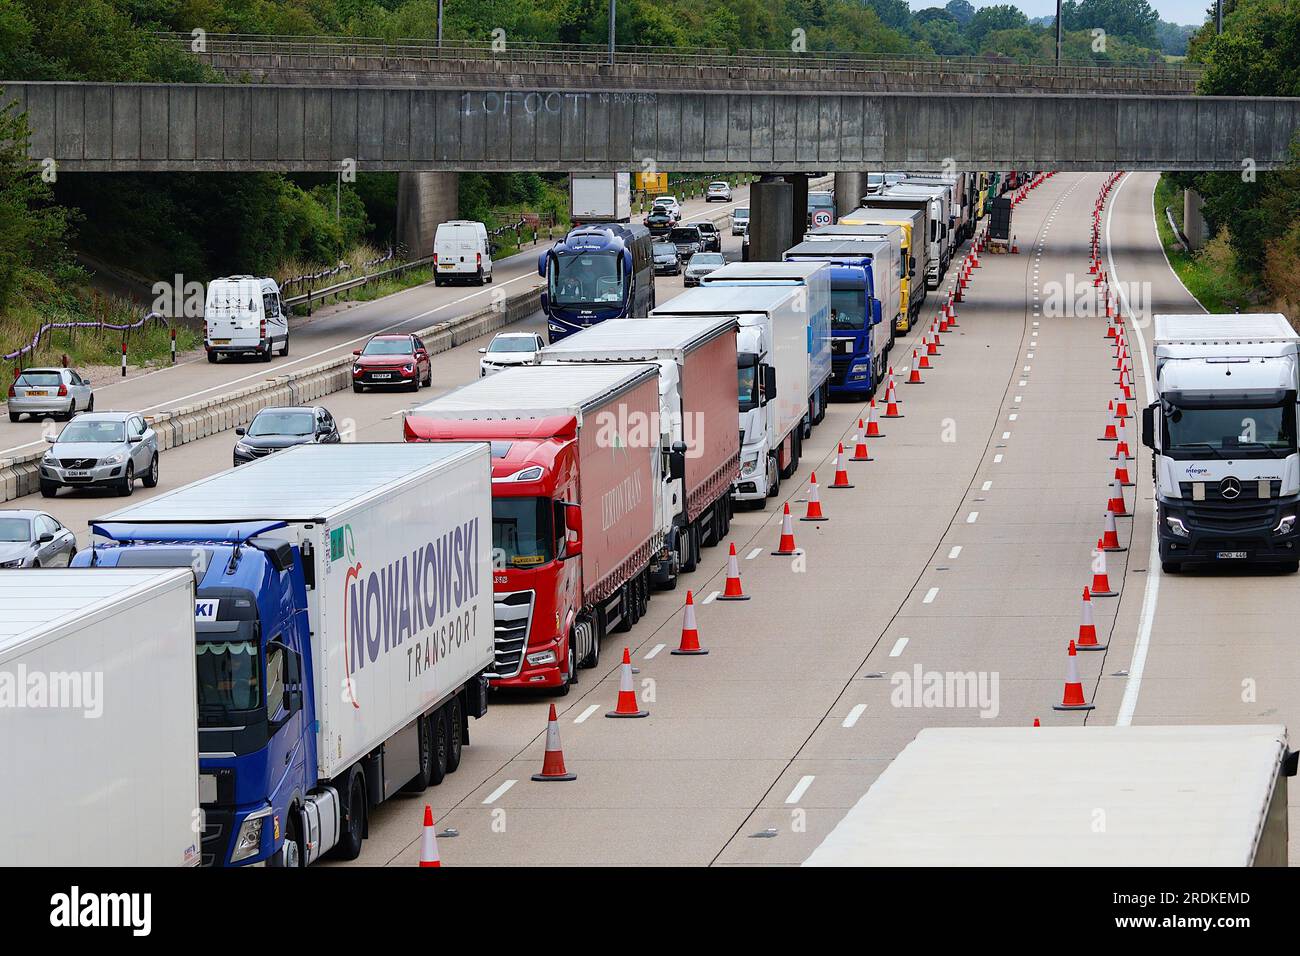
{"x": 1100, "y": 579}
{"x": 873, "y": 426}
{"x": 1110, "y": 434}
{"x": 814, "y": 510}
{"x": 1073, "y": 698}
{"x": 915, "y": 377}
{"x": 732, "y": 591}
{"x": 553, "y": 761}
{"x": 891, "y": 405}
{"x": 1036, "y": 723}
{"x": 690, "y": 643}
{"x": 786, "y": 545}
{"x": 1109, "y": 536}
{"x": 627, "y": 705}
{"x": 429, "y": 841}
{"x": 1121, "y": 442}
{"x": 860, "y": 452}
{"x": 1087, "y": 629}
{"x": 841, "y": 473}
{"x": 1015, "y": 249}
{"x": 1116, "y": 503}
{"x": 1121, "y": 470}
{"x": 1121, "y": 409}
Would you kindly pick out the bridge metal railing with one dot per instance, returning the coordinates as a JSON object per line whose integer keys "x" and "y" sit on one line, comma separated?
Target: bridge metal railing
{"x": 348, "y": 53}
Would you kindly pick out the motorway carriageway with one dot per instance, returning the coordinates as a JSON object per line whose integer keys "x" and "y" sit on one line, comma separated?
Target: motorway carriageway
{"x": 963, "y": 547}
{"x": 333, "y": 331}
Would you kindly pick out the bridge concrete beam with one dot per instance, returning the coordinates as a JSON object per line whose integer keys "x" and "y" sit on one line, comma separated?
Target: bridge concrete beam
{"x": 849, "y": 190}
{"x": 771, "y": 218}
{"x": 96, "y": 127}
{"x": 423, "y": 201}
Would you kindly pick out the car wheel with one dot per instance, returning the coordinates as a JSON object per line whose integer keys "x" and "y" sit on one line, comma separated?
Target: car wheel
{"x": 72, "y": 556}
{"x": 285, "y": 351}
{"x": 151, "y": 479}
{"x": 48, "y": 489}
{"x": 415, "y": 383}
{"x": 358, "y": 388}
{"x": 428, "y": 378}
{"x": 90, "y": 406}
{"x": 127, "y": 487}
{"x": 14, "y": 416}
{"x": 268, "y": 353}
{"x": 212, "y": 358}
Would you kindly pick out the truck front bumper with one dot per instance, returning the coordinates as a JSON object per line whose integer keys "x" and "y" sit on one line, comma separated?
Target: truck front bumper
{"x": 1255, "y": 533}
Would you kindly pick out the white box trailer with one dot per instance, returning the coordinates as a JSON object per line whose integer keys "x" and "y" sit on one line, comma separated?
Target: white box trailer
{"x": 98, "y": 718}
{"x": 600, "y": 197}
{"x": 1074, "y": 796}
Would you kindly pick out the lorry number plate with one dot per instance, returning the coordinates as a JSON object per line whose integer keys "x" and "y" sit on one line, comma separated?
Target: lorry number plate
{"x": 1232, "y": 554}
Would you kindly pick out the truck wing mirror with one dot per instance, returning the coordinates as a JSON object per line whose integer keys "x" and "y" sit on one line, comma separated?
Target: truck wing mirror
{"x": 1149, "y": 426}
{"x": 677, "y": 461}
{"x": 572, "y": 518}
{"x": 769, "y": 382}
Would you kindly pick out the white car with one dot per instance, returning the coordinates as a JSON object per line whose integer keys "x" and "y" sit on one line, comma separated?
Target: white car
{"x": 670, "y": 204}
{"x": 739, "y": 220}
{"x": 41, "y": 392}
{"x": 509, "y": 349}
{"x": 718, "y": 192}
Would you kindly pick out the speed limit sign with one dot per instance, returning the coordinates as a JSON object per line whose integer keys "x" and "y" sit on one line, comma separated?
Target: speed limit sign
{"x": 821, "y": 218}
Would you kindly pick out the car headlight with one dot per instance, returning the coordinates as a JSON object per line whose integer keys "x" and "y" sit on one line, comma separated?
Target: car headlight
{"x": 242, "y": 448}
{"x": 112, "y": 460}
{"x": 408, "y": 368}
{"x": 1285, "y": 525}
{"x": 249, "y": 840}
{"x": 1176, "y": 526}
{"x": 12, "y": 564}
{"x": 356, "y": 370}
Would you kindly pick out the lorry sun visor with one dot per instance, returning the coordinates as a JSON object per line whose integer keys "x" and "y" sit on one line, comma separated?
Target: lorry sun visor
{"x": 1220, "y": 399}
{"x": 188, "y": 531}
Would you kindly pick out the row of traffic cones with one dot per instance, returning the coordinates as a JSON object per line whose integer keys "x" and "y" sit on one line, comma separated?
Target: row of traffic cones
{"x": 1116, "y": 430}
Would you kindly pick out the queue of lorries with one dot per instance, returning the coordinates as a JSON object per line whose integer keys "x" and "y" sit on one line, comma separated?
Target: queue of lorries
{"x": 344, "y": 632}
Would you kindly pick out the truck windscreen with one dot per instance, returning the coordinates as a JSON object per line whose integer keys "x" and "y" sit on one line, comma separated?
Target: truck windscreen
{"x": 747, "y": 383}
{"x": 848, "y": 310}
{"x": 521, "y": 532}
{"x": 229, "y": 672}
{"x": 1244, "y": 431}
{"x": 586, "y": 278}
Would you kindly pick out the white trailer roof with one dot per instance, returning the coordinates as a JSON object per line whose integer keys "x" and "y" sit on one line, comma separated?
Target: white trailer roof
{"x": 303, "y": 483}
{"x": 763, "y": 270}
{"x": 629, "y": 339}
{"x": 1206, "y": 328}
{"x": 1035, "y": 796}
{"x": 536, "y": 391}
{"x": 36, "y": 601}
{"x": 727, "y": 299}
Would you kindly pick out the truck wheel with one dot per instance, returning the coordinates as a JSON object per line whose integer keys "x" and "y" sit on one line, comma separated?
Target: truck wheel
{"x": 290, "y": 855}
{"x": 773, "y": 477}
{"x": 625, "y": 606}
{"x": 441, "y": 741}
{"x": 593, "y": 654}
{"x": 353, "y": 829}
{"x": 420, "y": 782}
{"x": 690, "y": 548}
{"x": 456, "y": 728}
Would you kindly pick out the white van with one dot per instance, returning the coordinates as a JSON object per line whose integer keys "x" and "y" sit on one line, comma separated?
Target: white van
{"x": 461, "y": 251}
{"x": 244, "y": 316}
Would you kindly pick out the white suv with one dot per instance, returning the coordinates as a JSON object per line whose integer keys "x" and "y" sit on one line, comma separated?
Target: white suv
{"x": 670, "y": 205}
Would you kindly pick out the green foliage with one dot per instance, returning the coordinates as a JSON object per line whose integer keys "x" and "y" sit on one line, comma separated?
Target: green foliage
{"x": 996, "y": 18}
{"x": 1134, "y": 20}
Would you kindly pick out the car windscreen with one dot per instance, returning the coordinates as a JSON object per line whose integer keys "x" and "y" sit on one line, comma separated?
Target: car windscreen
{"x": 81, "y": 431}
{"x": 514, "y": 343}
{"x": 665, "y": 249}
{"x": 387, "y": 347}
{"x": 40, "y": 379}
{"x": 282, "y": 423}
{"x": 708, "y": 259}
{"x": 684, "y": 235}
{"x": 742, "y": 212}
{"x": 15, "y": 529}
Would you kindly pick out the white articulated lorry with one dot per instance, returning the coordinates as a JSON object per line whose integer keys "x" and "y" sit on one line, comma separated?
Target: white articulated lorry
{"x": 1222, "y": 434}
{"x": 98, "y": 719}
{"x": 1035, "y": 796}
{"x": 774, "y": 369}
{"x": 697, "y": 421}
{"x": 344, "y": 633}
{"x": 600, "y": 197}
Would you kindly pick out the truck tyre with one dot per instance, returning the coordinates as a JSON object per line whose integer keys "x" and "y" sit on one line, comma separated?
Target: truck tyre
{"x": 290, "y": 855}
{"x": 352, "y": 829}
{"x": 420, "y": 782}
{"x": 441, "y": 743}
{"x": 690, "y": 548}
{"x": 593, "y": 655}
{"x": 773, "y": 478}
{"x": 456, "y": 728}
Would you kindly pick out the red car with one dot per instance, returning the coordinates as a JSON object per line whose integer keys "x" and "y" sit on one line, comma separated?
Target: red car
{"x": 388, "y": 360}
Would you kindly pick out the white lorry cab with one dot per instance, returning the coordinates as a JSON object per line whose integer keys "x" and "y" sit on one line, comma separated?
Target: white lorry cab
{"x": 1222, "y": 433}
{"x": 461, "y": 253}
{"x": 243, "y": 315}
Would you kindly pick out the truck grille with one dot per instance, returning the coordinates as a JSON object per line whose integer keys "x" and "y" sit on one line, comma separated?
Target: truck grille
{"x": 839, "y": 369}
{"x": 1231, "y": 519}
{"x": 1250, "y": 491}
{"x": 514, "y": 616}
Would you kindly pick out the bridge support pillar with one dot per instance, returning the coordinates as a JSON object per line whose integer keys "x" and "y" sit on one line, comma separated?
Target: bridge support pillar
{"x": 799, "y": 207}
{"x": 423, "y": 201}
{"x": 771, "y": 205}
{"x": 1194, "y": 218}
{"x": 849, "y": 190}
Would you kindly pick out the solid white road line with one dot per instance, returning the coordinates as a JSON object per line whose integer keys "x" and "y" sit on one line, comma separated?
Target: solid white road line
{"x": 589, "y": 711}
{"x": 854, "y": 714}
{"x": 499, "y": 791}
{"x": 800, "y": 789}
{"x": 1151, "y": 593}
{"x": 898, "y": 647}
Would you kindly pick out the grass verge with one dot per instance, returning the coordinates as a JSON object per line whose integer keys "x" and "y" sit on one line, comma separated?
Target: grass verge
{"x": 1210, "y": 273}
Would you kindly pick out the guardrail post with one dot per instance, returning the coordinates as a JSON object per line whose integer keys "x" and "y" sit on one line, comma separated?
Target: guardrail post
{"x": 124, "y": 355}
{"x": 173, "y": 338}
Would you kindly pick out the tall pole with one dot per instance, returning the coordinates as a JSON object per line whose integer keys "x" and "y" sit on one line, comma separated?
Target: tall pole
{"x": 1218, "y": 16}
{"x": 1058, "y": 32}
{"x": 612, "y": 5}
{"x": 440, "y": 24}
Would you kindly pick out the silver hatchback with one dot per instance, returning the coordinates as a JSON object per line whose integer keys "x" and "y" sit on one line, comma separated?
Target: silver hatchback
{"x": 33, "y": 539}
{"x": 43, "y": 392}
{"x": 104, "y": 450}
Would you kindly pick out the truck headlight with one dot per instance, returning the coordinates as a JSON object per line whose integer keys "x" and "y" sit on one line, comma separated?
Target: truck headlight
{"x": 249, "y": 840}
{"x": 541, "y": 658}
{"x": 1285, "y": 525}
{"x": 1176, "y": 526}
{"x": 748, "y": 468}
